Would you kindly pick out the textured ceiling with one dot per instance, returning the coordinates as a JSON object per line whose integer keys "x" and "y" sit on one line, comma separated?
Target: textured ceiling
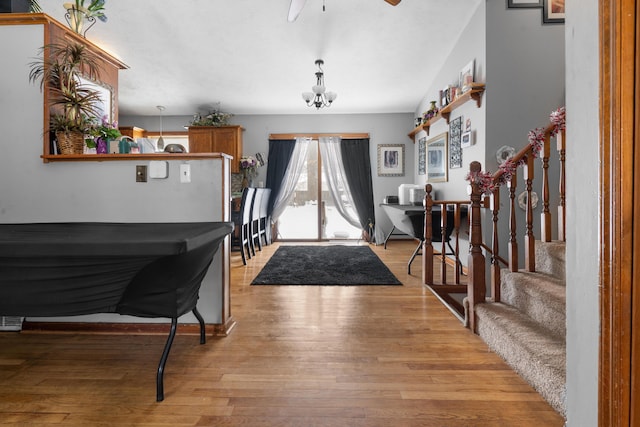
{"x": 189, "y": 55}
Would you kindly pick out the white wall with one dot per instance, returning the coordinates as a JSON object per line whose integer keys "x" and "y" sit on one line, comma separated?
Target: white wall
{"x": 33, "y": 191}
{"x": 382, "y": 129}
{"x": 583, "y": 222}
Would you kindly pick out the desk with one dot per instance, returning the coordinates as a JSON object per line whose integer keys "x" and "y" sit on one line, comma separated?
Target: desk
{"x": 410, "y": 220}
{"x": 139, "y": 269}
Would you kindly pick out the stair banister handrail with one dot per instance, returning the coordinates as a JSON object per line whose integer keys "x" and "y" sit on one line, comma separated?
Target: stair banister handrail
{"x": 484, "y": 191}
{"x": 484, "y": 182}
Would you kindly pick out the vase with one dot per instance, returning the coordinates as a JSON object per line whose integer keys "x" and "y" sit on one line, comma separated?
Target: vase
{"x": 102, "y": 146}
{"x": 78, "y": 18}
{"x": 124, "y": 146}
{"x": 245, "y": 181}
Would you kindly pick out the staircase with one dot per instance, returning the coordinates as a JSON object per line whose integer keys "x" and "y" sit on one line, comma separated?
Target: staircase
{"x": 520, "y": 313}
{"x": 527, "y": 328}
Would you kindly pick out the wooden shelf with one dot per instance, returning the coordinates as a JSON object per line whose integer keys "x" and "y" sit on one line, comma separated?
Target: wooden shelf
{"x": 474, "y": 94}
{"x": 46, "y": 158}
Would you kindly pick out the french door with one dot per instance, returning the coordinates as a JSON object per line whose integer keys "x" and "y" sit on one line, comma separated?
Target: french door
{"x": 311, "y": 214}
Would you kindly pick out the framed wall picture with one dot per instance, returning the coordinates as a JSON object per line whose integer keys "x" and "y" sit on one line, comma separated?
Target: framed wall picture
{"x": 437, "y": 158}
{"x": 512, "y": 4}
{"x": 467, "y": 76}
{"x": 467, "y": 139}
{"x": 444, "y": 97}
{"x": 455, "y": 138}
{"x": 422, "y": 156}
{"x": 553, "y": 11}
{"x": 390, "y": 159}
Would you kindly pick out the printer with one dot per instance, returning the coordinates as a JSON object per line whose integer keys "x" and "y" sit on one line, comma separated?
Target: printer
{"x": 411, "y": 194}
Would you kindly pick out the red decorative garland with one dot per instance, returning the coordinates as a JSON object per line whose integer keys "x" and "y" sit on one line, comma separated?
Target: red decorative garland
{"x": 536, "y": 140}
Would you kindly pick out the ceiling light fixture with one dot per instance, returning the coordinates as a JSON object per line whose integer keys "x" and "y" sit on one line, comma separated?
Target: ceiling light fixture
{"x": 319, "y": 97}
{"x": 160, "y": 144}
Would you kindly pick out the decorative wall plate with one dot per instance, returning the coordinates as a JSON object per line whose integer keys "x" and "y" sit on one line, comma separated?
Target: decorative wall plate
{"x": 522, "y": 200}
{"x": 504, "y": 153}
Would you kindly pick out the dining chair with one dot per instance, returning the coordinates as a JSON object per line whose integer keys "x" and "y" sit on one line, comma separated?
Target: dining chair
{"x": 244, "y": 223}
{"x": 255, "y": 221}
{"x": 265, "y": 221}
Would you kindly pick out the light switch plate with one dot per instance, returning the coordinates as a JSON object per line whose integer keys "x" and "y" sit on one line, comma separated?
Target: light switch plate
{"x": 185, "y": 173}
{"x": 158, "y": 169}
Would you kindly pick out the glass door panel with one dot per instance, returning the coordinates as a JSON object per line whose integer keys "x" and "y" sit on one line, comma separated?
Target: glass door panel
{"x": 299, "y": 221}
{"x": 311, "y": 214}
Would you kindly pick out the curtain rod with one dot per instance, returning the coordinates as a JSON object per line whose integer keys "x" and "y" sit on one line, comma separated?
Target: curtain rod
{"x": 317, "y": 135}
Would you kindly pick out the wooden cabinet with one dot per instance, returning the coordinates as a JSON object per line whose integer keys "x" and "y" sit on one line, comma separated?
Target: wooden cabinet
{"x": 223, "y": 139}
{"x": 132, "y": 131}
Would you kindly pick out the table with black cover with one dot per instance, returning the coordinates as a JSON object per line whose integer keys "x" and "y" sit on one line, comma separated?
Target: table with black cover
{"x": 409, "y": 219}
{"x": 139, "y": 269}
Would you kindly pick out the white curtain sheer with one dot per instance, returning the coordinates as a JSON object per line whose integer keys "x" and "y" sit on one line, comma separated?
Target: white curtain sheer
{"x": 294, "y": 170}
{"x": 334, "y": 174}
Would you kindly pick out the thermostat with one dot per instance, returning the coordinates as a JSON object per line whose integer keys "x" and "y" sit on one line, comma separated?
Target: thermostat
{"x": 158, "y": 169}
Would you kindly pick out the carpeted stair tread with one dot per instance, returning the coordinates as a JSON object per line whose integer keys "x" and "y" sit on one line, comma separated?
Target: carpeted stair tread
{"x": 550, "y": 258}
{"x": 539, "y": 296}
{"x": 535, "y": 354}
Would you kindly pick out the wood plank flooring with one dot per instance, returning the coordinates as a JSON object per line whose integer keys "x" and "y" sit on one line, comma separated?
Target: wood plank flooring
{"x": 303, "y": 356}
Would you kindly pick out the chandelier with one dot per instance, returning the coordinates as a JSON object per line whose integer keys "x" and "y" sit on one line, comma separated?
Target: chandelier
{"x": 319, "y": 97}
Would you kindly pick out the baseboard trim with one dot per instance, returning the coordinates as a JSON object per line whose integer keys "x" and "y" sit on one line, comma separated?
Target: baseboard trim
{"x": 215, "y": 329}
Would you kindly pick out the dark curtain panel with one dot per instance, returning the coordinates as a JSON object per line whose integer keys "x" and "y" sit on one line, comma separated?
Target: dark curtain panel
{"x": 280, "y": 151}
{"x": 357, "y": 166}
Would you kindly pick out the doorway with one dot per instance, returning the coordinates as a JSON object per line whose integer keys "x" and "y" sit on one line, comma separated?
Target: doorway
{"x": 311, "y": 215}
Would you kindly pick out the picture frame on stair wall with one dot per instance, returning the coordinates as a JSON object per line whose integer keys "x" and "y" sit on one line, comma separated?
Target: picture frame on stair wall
{"x": 422, "y": 156}
{"x": 553, "y": 11}
{"x": 437, "y": 159}
{"x": 529, "y": 4}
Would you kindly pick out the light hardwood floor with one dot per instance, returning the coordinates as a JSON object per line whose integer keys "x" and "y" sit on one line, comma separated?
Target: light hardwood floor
{"x": 303, "y": 356}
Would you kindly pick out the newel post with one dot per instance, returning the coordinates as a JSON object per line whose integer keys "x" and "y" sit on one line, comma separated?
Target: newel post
{"x": 476, "y": 288}
{"x": 427, "y": 247}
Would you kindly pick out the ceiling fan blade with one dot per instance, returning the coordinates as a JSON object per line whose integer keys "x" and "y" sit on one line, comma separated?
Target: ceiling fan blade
{"x": 295, "y": 9}
{"x": 393, "y": 2}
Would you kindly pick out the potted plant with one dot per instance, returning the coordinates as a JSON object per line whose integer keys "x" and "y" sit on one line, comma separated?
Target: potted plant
{"x": 102, "y": 133}
{"x": 213, "y": 118}
{"x": 249, "y": 168}
{"x": 72, "y": 104}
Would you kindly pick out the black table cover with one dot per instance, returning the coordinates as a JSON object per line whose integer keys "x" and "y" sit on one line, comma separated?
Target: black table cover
{"x": 141, "y": 269}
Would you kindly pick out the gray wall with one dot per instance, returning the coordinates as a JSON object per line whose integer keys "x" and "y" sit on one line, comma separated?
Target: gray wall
{"x": 583, "y": 247}
{"x": 509, "y": 46}
{"x": 469, "y": 46}
{"x": 33, "y": 191}
{"x": 525, "y": 77}
{"x": 382, "y": 129}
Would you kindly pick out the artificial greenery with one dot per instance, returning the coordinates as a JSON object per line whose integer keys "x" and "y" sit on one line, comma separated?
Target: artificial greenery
{"x": 59, "y": 69}
{"x": 214, "y": 118}
{"x": 92, "y": 8}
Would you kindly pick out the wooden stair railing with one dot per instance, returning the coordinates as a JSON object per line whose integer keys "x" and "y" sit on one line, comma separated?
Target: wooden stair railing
{"x": 427, "y": 246}
{"x": 430, "y": 256}
{"x": 485, "y": 192}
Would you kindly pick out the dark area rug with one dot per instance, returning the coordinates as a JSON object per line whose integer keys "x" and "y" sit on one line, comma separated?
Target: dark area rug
{"x": 325, "y": 265}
